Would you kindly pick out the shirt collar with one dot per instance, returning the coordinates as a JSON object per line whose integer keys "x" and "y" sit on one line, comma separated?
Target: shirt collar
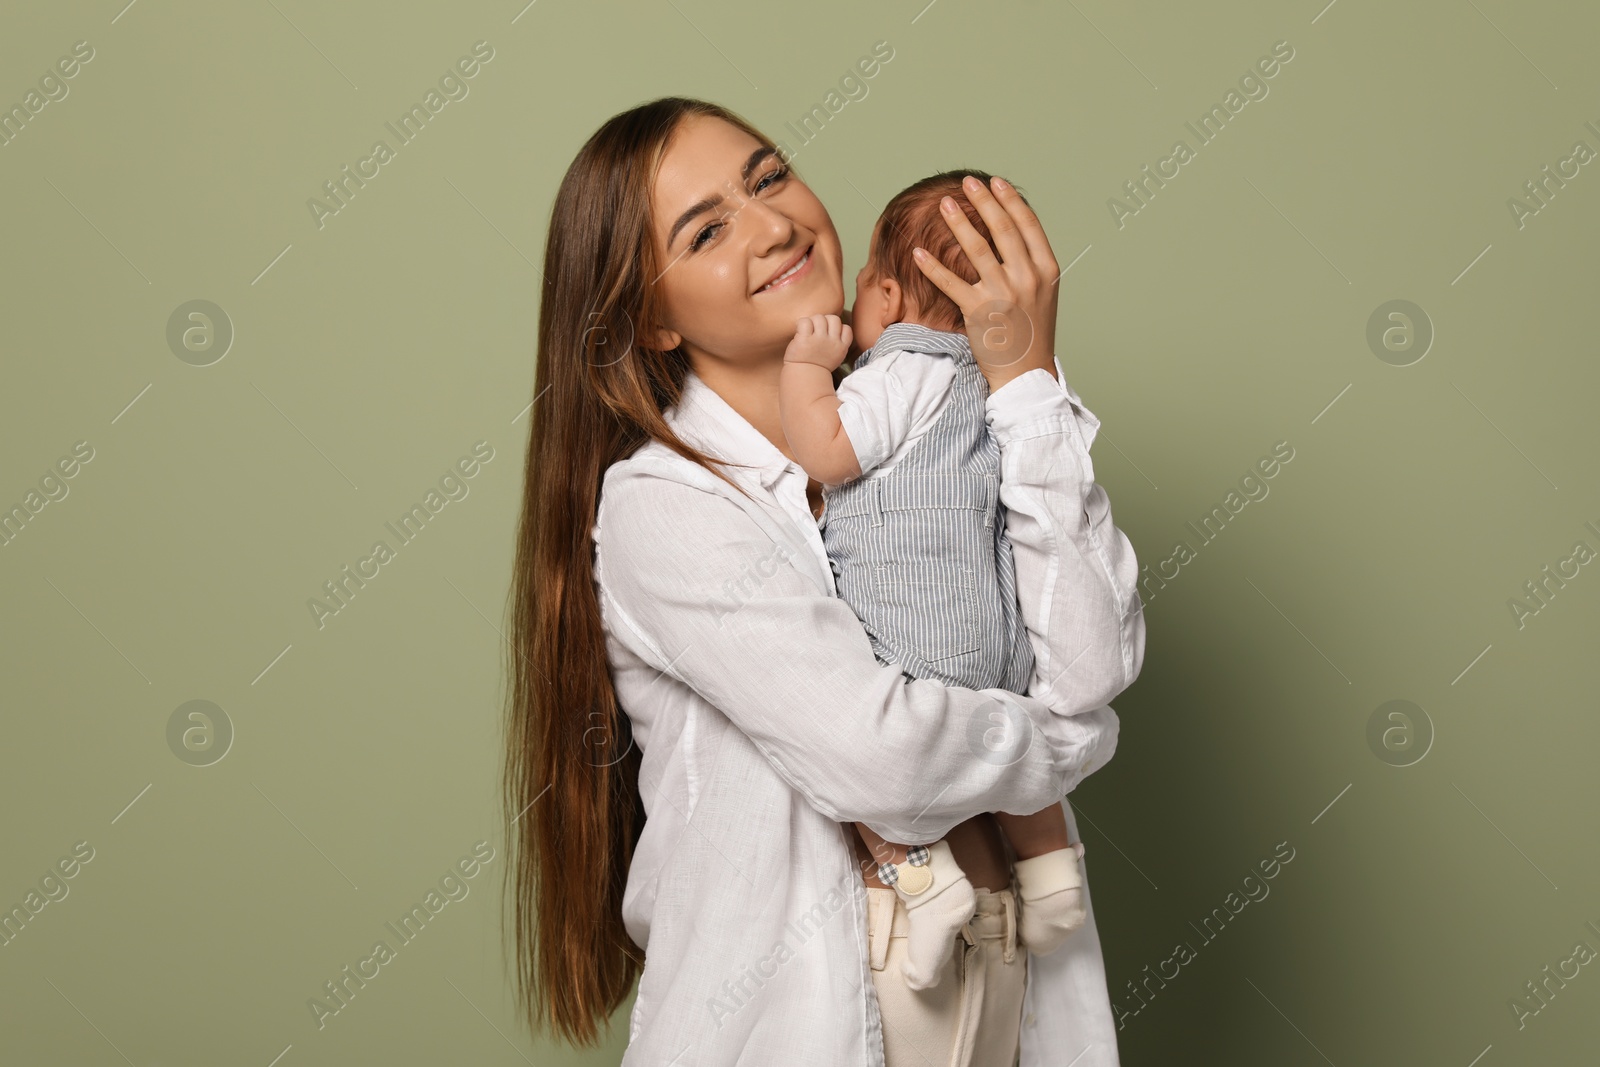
{"x": 703, "y": 419}
{"x": 915, "y": 337}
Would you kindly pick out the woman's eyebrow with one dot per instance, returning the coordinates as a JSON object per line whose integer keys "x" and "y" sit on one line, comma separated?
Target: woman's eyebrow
{"x": 701, "y": 206}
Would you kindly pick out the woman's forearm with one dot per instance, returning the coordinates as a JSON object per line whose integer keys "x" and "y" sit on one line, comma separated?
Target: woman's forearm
{"x": 718, "y": 594}
{"x": 1076, "y": 572}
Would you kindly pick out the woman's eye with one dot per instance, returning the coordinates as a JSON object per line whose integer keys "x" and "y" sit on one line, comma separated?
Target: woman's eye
{"x": 704, "y": 235}
{"x": 772, "y": 178}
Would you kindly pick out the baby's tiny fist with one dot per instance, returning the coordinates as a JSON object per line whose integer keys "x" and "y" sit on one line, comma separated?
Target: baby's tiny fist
{"x": 823, "y": 347}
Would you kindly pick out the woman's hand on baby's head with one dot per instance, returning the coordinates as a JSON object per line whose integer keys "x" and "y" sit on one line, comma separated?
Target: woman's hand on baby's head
{"x": 1010, "y": 313}
{"x": 823, "y": 340}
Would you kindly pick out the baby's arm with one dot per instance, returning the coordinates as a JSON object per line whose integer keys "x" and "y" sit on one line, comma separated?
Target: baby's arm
{"x": 808, "y": 405}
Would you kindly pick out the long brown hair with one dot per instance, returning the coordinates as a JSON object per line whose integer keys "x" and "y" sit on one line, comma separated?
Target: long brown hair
{"x": 571, "y": 782}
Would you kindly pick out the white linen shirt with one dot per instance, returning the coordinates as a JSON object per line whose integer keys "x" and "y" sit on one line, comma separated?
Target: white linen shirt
{"x": 887, "y": 404}
{"x": 766, "y": 725}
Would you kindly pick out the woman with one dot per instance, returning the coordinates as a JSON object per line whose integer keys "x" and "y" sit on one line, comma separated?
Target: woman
{"x": 669, "y": 567}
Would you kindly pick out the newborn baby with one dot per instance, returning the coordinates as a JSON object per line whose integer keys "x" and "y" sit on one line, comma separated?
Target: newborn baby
{"x": 915, "y": 534}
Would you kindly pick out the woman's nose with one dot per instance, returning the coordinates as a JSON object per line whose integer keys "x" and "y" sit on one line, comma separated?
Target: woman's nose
{"x": 769, "y": 228}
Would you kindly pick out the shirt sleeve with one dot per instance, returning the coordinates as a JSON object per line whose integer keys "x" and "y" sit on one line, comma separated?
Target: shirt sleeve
{"x": 888, "y": 399}
{"x": 705, "y": 593}
{"x": 1077, "y": 575}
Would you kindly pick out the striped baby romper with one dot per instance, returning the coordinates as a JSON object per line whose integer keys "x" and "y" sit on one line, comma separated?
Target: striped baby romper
{"x": 920, "y": 553}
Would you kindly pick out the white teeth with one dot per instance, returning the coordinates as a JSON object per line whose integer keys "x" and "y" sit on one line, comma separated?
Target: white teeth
{"x": 785, "y": 274}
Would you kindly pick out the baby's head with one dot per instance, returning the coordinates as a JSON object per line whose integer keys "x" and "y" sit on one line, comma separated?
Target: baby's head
{"x": 891, "y": 287}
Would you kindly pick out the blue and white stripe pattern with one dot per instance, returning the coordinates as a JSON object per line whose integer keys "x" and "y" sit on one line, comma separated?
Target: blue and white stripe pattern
{"x": 921, "y": 554}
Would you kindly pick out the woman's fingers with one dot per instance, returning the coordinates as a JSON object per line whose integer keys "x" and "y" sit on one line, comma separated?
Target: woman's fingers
{"x": 971, "y": 242}
{"x": 957, "y": 289}
{"x": 1028, "y": 225}
{"x": 999, "y": 218}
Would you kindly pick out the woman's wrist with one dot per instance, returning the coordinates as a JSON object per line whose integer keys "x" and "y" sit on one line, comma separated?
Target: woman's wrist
{"x": 1000, "y": 377}
{"x": 1030, "y": 399}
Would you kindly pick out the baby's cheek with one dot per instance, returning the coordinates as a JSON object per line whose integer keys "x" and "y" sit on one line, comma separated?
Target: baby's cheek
{"x": 863, "y": 329}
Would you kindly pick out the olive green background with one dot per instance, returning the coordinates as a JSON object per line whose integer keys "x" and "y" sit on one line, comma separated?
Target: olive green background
{"x": 370, "y": 353}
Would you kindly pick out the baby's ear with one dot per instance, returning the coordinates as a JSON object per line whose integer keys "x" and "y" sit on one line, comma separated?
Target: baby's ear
{"x": 894, "y": 301}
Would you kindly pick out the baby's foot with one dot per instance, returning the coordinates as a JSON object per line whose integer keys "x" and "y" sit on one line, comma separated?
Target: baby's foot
{"x": 939, "y": 903}
{"x": 1049, "y": 898}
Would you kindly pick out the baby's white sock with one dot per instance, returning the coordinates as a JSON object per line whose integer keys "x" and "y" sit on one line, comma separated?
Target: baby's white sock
{"x": 936, "y": 915}
{"x": 1049, "y": 898}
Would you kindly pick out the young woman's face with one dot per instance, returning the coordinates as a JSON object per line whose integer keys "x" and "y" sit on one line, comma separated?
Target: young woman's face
{"x": 746, "y": 249}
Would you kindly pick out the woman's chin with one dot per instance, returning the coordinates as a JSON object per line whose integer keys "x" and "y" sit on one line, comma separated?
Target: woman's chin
{"x": 829, "y": 300}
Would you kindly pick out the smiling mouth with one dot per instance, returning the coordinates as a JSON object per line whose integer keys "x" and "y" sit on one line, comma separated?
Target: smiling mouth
{"x": 790, "y": 273}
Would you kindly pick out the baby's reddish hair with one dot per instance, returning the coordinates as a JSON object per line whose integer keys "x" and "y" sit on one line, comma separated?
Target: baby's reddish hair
{"x": 913, "y": 220}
